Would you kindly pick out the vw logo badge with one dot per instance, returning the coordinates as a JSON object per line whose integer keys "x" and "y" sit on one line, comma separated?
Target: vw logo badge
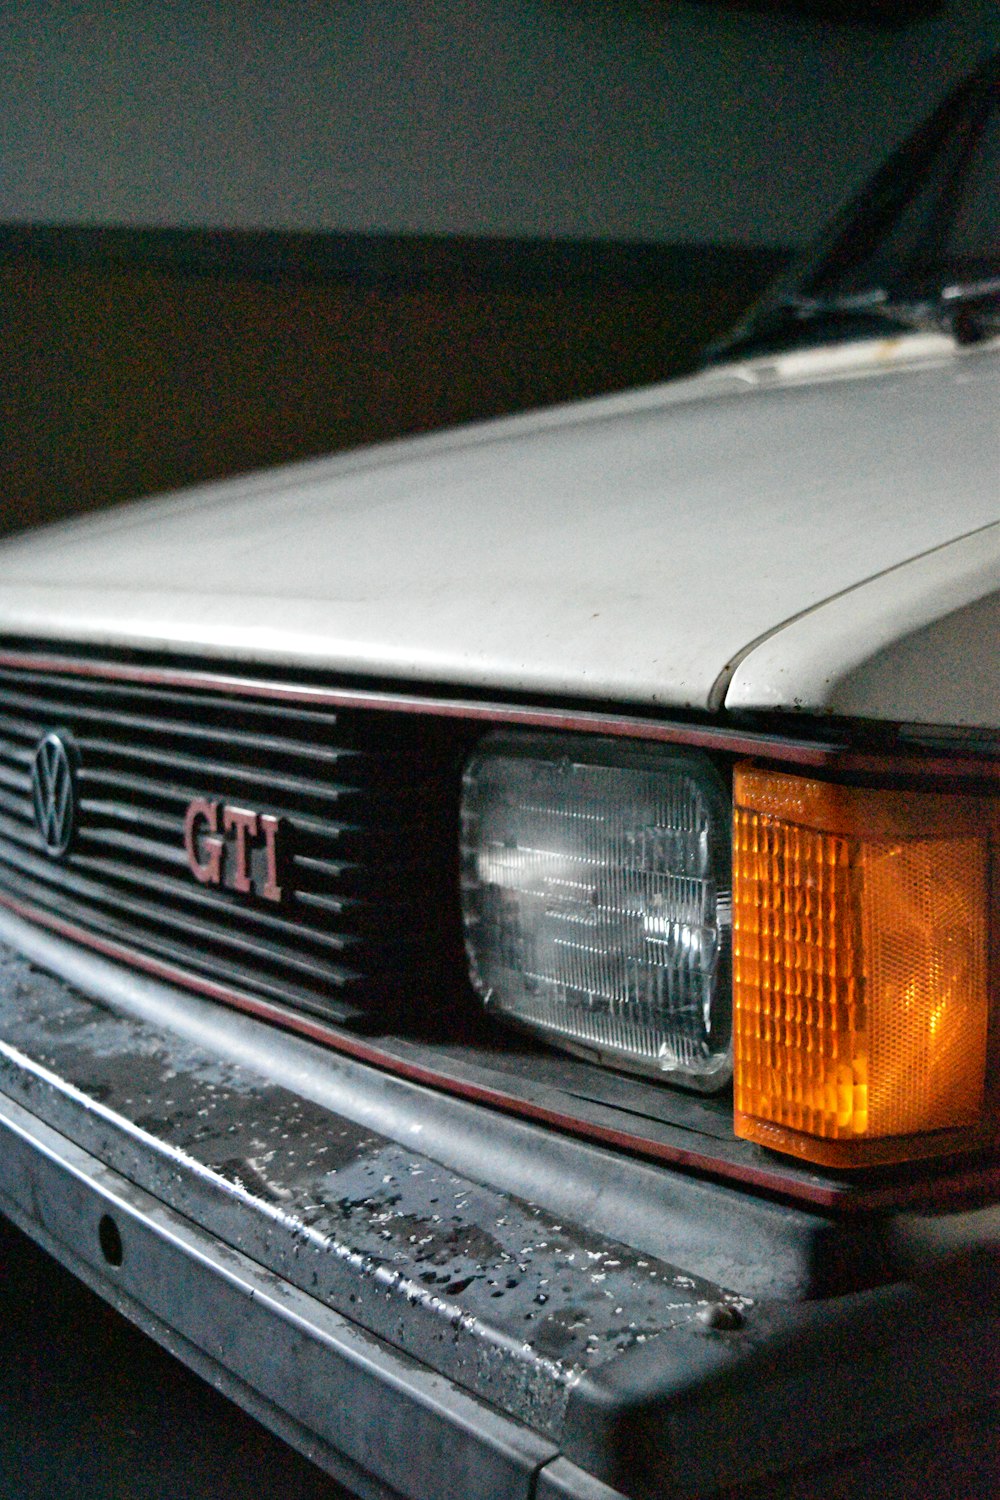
{"x": 53, "y": 792}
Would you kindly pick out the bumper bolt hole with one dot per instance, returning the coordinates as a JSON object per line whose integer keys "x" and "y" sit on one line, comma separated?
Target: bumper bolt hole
{"x": 110, "y": 1240}
{"x": 721, "y": 1317}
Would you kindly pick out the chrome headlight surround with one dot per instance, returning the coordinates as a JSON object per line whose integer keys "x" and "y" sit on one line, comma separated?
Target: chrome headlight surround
{"x": 596, "y": 893}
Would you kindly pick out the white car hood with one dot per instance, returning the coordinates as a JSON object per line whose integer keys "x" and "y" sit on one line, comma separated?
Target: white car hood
{"x": 653, "y": 548}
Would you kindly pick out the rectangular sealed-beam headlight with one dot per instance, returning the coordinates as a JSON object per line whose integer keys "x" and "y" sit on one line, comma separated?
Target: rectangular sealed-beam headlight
{"x": 596, "y": 896}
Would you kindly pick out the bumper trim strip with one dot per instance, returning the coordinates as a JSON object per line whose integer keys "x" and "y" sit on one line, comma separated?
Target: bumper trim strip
{"x": 818, "y": 1192}
{"x": 310, "y": 1370}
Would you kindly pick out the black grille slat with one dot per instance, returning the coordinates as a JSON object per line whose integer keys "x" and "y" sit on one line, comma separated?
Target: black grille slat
{"x": 152, "y": 850}
{"x": 18, "y": 807}
{"x": 327, "y": 868}
{"x": 222, "y": 770}
{"x": 95, "y": 812}
{"x": 121, "y": 877}
{"x": 72, "y": 693}
{"x": 367, "y": 808}
{"x": 18, "y": 763}
{"x": 318, "y": 902}
{"x": 13, "y": 779}
{"x": 197, "y": 897}
{"x": 181, "y": 794}
{"x": 48, "y": 876}
{"x": 239, "y": 740}
{"x": 182, "y": 956}
{"x": 99, "y": 814}
{"x": 20, "y": 728}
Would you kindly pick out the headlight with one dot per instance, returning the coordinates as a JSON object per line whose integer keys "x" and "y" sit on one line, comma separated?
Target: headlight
{"x": 827, "y": 945}
{"x": 596, "y": 892}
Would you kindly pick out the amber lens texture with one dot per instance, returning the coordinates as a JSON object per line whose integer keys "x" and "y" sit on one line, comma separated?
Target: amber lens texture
{"x": 860, "y": 966}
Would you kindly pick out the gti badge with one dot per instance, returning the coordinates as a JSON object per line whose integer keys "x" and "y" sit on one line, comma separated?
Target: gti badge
{"x": 53, "y": 792}
{"x": 253, "y": 849}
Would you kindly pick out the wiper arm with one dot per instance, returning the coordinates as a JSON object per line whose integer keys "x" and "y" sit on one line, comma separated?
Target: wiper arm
{"x": 876, "y": 303}
{"x": 971, "y": 309}
{"x": 786, "y": 321}
{"x": 968, "y": 310}
{"x": 972, "y": 291}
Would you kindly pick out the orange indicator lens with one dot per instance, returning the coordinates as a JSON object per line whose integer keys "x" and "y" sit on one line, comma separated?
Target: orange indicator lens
{"x": 859, "y": 968}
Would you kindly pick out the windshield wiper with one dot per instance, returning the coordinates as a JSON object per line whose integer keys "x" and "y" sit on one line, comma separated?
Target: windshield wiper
{"x": 967, "y": 311}
{"x": 972, "y": 309}
{"x": 793, "y": 320}
{"x": 877, "y": 305}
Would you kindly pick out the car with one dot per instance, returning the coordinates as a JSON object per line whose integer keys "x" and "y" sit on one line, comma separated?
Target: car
{"x": 500, "y": 934}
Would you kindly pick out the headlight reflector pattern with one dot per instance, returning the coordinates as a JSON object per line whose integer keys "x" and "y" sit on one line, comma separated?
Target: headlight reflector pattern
{"x": 596, "y": 891}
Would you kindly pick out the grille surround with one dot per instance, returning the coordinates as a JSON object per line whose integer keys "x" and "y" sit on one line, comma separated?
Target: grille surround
{"x": 367, "y": 926}
{"x": 510, "y": 1073}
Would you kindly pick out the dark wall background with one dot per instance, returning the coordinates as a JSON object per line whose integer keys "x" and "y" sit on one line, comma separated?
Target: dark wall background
{"x": 660, "y": 121}
{"x": 139, "y": 363}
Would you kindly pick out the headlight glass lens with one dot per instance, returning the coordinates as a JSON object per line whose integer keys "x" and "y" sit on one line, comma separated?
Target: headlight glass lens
{"x": 597, "y": 900}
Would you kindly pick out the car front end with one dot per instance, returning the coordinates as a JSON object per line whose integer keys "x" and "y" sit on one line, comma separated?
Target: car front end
{"x": 500, "y": 934}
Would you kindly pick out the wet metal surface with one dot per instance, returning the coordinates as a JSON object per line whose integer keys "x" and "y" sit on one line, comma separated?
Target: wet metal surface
{"x": 506, "y": 1299}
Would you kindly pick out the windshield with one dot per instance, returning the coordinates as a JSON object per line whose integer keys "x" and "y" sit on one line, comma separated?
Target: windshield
{"x": 919, "y": 247}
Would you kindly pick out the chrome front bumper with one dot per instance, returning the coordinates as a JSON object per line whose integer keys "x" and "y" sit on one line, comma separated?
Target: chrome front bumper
{"x": 433, "y": 1301}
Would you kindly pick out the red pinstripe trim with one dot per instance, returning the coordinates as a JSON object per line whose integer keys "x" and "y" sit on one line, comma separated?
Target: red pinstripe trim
{"x": 763, "y": 1178}
{"x": 709, "y": 737}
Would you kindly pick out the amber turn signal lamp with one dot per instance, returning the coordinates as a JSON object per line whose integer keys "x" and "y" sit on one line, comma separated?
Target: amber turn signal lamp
{"x": 860, "y": 968}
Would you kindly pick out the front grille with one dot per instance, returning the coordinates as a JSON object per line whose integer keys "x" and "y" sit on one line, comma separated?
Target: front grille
{"x": 367, "y": 801}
